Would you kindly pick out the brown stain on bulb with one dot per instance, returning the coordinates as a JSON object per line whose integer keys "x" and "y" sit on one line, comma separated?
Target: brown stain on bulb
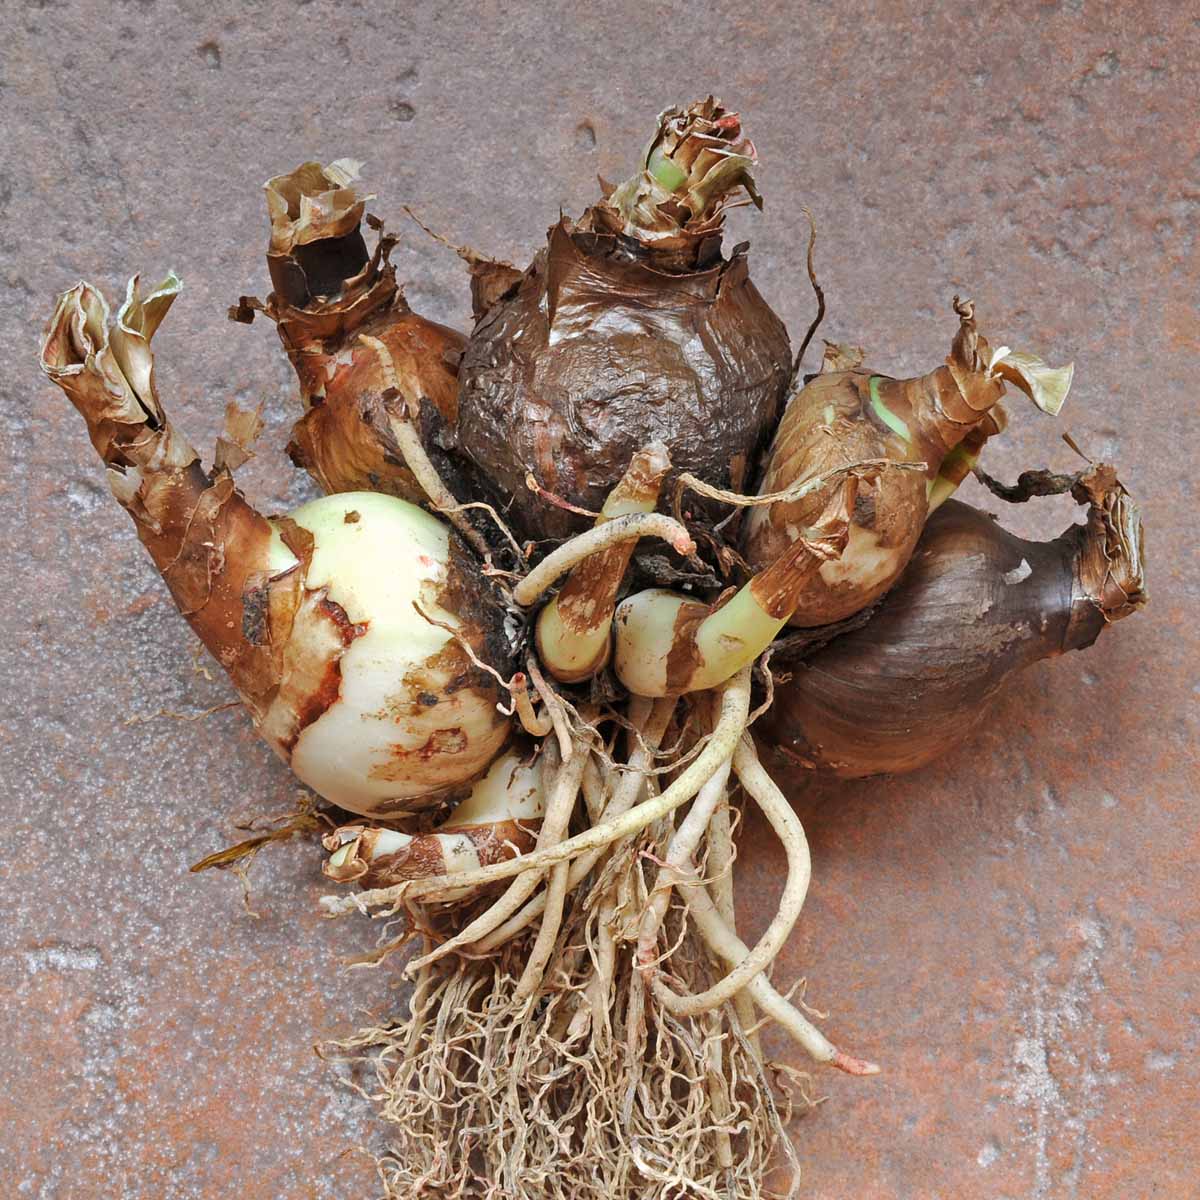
{"x": 315, "y": 704}
{"x": 447, "y": 704}
{"x": 684, "y": 658}
{"x": 889, "y": 510}
{"x": 402, "y": 761}
{"x": 421, "y": 858}
{"x": 349, "y": 630}
{"x": 325, "y": 689}
{"x": 425, "y": 854}
{"x": 593, "y": 585}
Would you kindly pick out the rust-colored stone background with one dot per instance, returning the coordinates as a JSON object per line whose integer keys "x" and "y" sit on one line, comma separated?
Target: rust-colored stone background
{"x": 1011, "y": 933}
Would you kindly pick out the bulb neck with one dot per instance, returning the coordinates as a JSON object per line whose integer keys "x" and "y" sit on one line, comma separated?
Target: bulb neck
{"x": 955, "y": 400}
{"x": 672, "y": 212}
{"x": 209, "y": 545}
{"x": 326, "y": 284}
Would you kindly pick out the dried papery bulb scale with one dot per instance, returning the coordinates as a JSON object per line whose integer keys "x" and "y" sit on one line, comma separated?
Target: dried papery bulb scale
{"x": 629, "y": 327}
{"x": 330, "y": 293}
{"x": 848, "y": 415}
{"x": 352, "y": 628}
{"x": 975, "y": 605}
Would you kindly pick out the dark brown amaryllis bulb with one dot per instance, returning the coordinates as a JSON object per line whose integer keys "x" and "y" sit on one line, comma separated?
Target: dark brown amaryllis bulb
{"x": 330, "y": 292}
{"x": 974, "y": 605}
{"x": 353, "y": 629}
{"x": 629, "y": 328}
{"x": 940, "y": 419}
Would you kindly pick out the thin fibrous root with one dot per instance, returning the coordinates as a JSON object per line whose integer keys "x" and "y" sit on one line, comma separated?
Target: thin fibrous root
{"x": 655, "y": 720}
{"x": 686, "y": 481}
{"x": 685, "y": 1110}
{"x": 498, "y": 521}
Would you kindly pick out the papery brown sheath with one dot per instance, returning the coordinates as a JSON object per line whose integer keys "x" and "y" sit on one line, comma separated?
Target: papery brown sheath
{"x": 329, "y": 292}
{"x": 209, "y": 545}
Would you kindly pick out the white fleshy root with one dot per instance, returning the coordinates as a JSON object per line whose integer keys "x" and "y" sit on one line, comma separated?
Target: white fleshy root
{"x": 601, "y": 537}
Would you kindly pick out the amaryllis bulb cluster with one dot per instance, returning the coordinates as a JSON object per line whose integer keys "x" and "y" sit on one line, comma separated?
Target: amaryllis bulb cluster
{"x": 527, "y": 630}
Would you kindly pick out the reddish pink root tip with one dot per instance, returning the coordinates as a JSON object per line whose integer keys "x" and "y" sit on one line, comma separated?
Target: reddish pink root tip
{"x": 853, "y": 1066}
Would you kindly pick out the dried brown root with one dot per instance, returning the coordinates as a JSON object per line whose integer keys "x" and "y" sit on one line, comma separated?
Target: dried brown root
{"x": 818, "y": 292}
{"x": 1030, "y": 484}
{"x": 491, "y": 1095}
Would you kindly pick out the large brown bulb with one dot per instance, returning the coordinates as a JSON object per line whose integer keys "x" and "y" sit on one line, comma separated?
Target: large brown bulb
{"x": 975, "y": 604}
{"x": 596, "y": 354}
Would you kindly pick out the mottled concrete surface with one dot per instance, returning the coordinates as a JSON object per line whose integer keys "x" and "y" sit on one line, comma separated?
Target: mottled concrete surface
{"x": 1012, "y": 933}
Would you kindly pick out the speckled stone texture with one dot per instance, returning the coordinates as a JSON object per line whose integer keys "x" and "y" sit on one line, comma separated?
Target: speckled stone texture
{"x": 1011, "y": 933}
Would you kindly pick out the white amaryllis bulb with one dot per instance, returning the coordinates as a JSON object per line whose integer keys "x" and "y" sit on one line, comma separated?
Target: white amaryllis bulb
{"x": 379, "y": 706}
